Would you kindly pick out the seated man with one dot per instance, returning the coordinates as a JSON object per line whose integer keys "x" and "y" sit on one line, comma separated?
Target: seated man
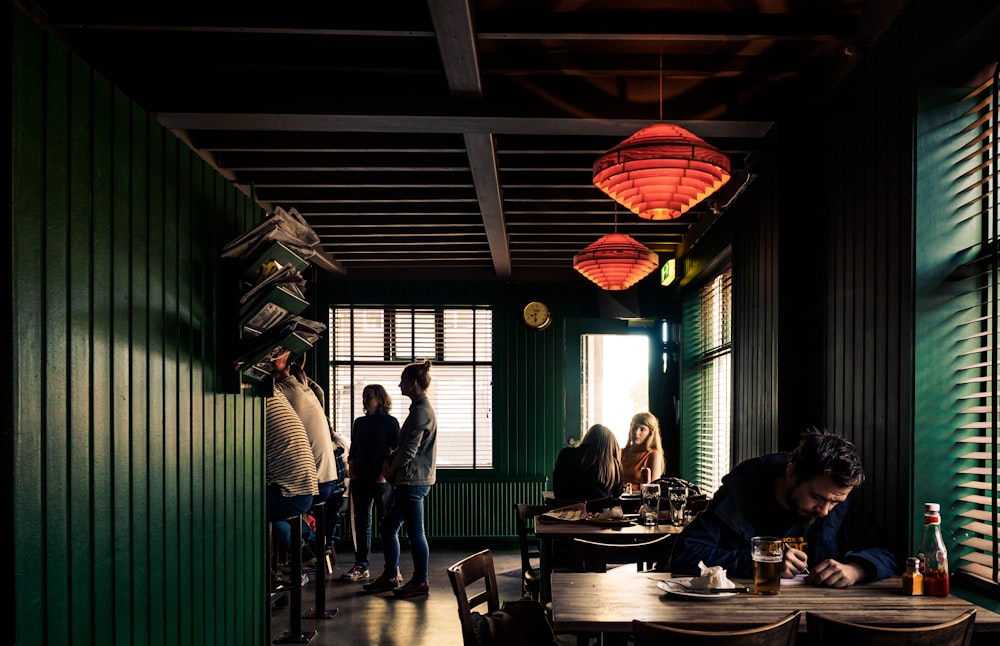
{"x": 804, "y": 493}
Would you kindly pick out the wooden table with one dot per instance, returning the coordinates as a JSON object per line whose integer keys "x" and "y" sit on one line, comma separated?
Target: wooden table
{"x": 547, "y": 532}
{"x": 591, "y": 603}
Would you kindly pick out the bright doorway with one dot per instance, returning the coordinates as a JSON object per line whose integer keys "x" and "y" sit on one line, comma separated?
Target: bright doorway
{"x": 614, "y": 381}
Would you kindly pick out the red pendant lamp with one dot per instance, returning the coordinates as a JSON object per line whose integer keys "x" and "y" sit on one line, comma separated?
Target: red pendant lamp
{"x": 661, "y": 171}
{"x": 616, "y": 261}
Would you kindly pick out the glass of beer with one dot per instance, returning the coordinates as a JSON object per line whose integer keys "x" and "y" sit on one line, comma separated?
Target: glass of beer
{"x": 767, "y": 553}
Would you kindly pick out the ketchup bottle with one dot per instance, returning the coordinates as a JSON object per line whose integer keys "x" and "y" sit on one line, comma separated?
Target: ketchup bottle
{"x": 933, "y": 553}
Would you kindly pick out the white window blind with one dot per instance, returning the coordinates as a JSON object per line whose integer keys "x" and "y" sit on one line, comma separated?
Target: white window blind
{"x": 371, "y": 345}
{"x": 713, "y": 426}
{"x": 978, "y": 423}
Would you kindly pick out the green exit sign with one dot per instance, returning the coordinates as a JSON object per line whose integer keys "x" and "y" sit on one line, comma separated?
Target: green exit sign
{"x": 667, "y": 273}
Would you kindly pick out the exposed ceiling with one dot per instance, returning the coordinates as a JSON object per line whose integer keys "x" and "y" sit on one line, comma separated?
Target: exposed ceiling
{"x": 455, "y": 138}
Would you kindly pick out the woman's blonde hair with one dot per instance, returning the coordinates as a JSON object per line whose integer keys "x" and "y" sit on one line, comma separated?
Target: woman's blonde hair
{"x": 653, "y": 441}
{"x": 607, "y": 453}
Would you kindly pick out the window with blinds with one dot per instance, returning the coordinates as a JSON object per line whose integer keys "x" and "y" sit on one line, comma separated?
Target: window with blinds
{"x": 980, "y": 416}
{"x": 713, "y": 362}
{"x": 371, "y": 345}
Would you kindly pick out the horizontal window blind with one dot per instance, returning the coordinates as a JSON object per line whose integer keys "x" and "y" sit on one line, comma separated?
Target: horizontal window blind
{"x": 977, "y": 189}
{"x": 713, "y": 428}
{"x": 371, "y": 345}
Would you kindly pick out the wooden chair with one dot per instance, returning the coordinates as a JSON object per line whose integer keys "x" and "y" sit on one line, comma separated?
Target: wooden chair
{"x": 780, "y": 633}
{"x": 592, "y": 556}
{"x": 826, "y": 630}
{"x": 464, "y": 576}
{"x": 531, "y": 577}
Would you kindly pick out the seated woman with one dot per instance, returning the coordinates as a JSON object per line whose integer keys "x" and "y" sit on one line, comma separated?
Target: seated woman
{"x": 590, "y": 470}
{"x": 644, "y": 449}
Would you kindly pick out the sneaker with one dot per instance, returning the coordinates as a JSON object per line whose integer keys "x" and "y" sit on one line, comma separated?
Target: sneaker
{"x": 356, "y": 574}
{"x": 412, "y": 589}
{"x": 382, "y": 584}
{"x": 308, "y": 558}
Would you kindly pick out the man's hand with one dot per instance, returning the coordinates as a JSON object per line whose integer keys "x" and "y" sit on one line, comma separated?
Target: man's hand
{"x": 834, "y": 574}
{"x": 794, "y": 563}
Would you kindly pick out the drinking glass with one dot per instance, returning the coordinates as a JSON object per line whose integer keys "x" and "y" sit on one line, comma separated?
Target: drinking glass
{"x": 678, "y": 496}
{"x": 651, "y": 503}
{"x": 767, "y": 553}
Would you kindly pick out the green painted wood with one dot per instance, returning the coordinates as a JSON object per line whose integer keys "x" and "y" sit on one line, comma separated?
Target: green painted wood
{"x": 131, "y": 472}
{"x": 56, "y": 448}
{"x": 29, "y": 254}
{"x": 103, "y": 389}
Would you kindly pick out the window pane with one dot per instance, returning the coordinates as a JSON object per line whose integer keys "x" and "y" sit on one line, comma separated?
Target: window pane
{"x": 374, "y": 345}
{"x": 709, "y": 413}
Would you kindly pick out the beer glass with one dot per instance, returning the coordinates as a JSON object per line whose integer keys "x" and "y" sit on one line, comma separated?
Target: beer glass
{"x": 767, "y": 553}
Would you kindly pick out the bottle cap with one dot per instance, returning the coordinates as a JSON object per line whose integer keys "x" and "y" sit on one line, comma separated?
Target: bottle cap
{"x": 932, "y": 507}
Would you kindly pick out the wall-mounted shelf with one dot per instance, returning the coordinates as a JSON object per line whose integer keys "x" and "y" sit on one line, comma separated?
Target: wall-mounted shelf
{"x": 265, "y": 322}
{"x": 269, "y": 310}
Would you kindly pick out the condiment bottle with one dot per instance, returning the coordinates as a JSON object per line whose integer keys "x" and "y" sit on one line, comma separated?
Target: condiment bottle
{"x": 934, "y": 553}
{"x": 647, "y": 475}
{"x": 913, "y": 580}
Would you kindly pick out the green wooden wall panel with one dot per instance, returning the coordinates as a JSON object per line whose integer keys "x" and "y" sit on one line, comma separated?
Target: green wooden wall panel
{"x": 78, "y": 157}
{"x": 128, "y": 480}
{"x": 121, "y": 368}
{"x": 103, "y": 390}
{"x": 56, "y": 349}
{"x": 29, "y": 297}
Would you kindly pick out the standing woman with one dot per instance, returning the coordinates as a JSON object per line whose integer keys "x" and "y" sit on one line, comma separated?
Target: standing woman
{"x": 373, "y": 437}
{"x": 411, "y": 472}
{"x": 644, "y": 449}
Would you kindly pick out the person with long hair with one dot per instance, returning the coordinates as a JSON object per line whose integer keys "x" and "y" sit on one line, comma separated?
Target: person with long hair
{"x": 374, "y": 436}
{"x": 412, "y": 472}
{"x": 644, "y": 449}
{"x": 591, "y": 470}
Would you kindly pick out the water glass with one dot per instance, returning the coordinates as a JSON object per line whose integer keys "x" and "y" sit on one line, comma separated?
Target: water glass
{"x": 678, "y": 496}
{"x": 651, "y": 503}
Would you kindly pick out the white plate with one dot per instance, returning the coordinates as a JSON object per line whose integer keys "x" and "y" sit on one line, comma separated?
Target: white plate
{"x": 679, "y": 591}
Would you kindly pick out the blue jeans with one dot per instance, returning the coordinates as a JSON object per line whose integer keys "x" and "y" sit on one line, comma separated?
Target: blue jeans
{"x": 279, "y": 508}
{"x": 363, "y": 494}
{"x": 407, "y": 508}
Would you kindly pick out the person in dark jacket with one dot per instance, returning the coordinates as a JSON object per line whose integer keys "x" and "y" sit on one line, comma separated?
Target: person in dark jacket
{"x": 373, "y": 437}
{"x": 805, "y": 493}
{"x": 591, "y": 470}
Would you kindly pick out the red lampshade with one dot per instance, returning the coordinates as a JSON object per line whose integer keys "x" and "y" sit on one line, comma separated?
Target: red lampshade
{"x": 615, "y": 261}
{"x": 661, "y": 171}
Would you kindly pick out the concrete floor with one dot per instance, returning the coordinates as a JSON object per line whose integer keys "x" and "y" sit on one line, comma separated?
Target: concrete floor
{"x": 381, "y": 619}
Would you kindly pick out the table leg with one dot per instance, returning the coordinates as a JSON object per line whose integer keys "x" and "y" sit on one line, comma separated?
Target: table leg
{"x": 545, "y": 569}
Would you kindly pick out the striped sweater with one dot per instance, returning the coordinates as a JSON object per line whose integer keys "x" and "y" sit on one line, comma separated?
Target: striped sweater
{"x": 289, "y": 457}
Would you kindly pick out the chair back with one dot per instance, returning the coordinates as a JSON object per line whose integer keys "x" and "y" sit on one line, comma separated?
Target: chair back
{"x": 530, "y": 555}
{"x": 780, "y": 633}
{"x": 827, "y": 630}
{"x": 474, "y": 581}
{"x": 592, "y": 556}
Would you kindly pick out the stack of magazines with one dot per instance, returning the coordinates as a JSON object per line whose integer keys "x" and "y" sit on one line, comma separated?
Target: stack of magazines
{"x": 272, "y": 256}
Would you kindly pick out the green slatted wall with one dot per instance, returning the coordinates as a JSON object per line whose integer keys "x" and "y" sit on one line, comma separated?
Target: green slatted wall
{"x": 132, "y": 474}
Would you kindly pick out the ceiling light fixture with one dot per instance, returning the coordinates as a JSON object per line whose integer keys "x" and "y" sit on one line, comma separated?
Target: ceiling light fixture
{"x": 615, "y": 261}
{"x": 662, "y": 170}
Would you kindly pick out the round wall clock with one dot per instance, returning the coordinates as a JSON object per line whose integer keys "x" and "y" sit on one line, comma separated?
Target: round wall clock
{"x": 537, "y": 315}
